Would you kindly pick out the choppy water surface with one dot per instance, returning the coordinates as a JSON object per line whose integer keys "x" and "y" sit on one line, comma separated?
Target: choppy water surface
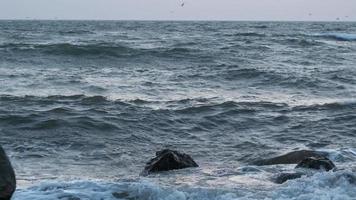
{"x": 84, "y": 104}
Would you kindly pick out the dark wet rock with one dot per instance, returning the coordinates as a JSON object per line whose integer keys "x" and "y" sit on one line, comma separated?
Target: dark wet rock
{"x": 167, "y": 159}
{"x": 7, "y": 177}
{"x": 290, "y": 158}
{"x": 319, "y": 163}
{"x": 281, "y": 178}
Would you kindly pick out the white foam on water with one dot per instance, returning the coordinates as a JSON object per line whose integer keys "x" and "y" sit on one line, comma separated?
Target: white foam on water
{"x": 326, "y": 185}
{"x": 98, "y": 190}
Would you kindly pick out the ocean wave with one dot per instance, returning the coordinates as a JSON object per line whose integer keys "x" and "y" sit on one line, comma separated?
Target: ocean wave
{"x": 301, "y": 42}
{"x": 54, "y": 112}
{"x": 309, "y": 39}
{"x": 75, "y": 32}
{"x": 233, "y": 107}
{"x": 246, "y": 73}
{"x": 102, "y": 99}
{"x": 52, "y": 99}
{"x": 71, "y": 49}
{"x": 97, "y": 49}
{"x": 331, "y": 105}
{"x": 16, "y": 120}
{"x": 260, "y": 26}
{"x": 182, "y": 105}
{"x": 205, "y": 108}
{"x": 246, "y": 34}
{"x": 338, "y": 36}
{"x": 41, "y": 122}
{"x": 97, "y": 113}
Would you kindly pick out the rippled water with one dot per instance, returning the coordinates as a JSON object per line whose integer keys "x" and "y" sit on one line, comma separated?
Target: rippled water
{"x": 84, "y": 104}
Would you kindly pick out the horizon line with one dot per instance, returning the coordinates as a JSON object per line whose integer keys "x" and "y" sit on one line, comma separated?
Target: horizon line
{"x": 170, "y": 20}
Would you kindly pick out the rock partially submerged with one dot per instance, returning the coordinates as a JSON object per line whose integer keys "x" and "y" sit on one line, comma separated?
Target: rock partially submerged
{"x": 281, "y": 178}
{"x": 7, "y": 177}
{"x": 166, "y": 160}
{"x": 290, "y": 158}
{"x": 304, "y": 159}
{"x": 318, "y": 163}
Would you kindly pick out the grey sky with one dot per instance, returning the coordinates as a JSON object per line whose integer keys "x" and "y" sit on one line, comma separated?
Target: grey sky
{"x": 171, "y": 10}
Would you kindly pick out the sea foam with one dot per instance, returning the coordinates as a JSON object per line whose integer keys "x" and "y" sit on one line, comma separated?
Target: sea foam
{"x": 325, "y": 185}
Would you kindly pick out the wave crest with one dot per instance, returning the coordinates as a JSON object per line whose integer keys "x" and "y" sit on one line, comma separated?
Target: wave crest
{"x": 338, "y": 36}
{"x": 97, "y": 49}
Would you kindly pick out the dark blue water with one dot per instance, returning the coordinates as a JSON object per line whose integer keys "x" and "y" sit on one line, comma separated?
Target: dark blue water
{"x": 84, "y": 104}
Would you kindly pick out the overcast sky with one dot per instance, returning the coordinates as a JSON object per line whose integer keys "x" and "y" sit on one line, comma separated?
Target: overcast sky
{"x": 326, "y": 10}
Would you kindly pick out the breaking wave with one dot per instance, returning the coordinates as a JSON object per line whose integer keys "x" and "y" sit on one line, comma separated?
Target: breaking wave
{"x": 328, "y": 185}
{"x": 338, "y": 36}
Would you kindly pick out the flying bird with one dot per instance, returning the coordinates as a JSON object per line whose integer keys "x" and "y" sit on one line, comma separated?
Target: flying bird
{"x": 182, "y": 4}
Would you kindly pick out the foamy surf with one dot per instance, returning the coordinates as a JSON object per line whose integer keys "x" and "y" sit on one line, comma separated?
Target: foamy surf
{"x": 321, "y": 186}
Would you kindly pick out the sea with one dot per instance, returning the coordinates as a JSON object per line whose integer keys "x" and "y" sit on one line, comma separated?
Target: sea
{"x": 85, "y": 104}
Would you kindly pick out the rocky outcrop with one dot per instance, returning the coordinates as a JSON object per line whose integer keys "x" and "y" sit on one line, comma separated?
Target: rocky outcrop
{"x": 7, "y": 177}
{"x": 166, "y": 160}
{"x": 318, "y": 163}
{"x": 304, "y": 159}
{"x": 290, "y": 158}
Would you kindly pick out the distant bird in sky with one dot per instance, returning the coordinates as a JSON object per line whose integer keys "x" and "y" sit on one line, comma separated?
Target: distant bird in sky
{"x": 182, "y": 4}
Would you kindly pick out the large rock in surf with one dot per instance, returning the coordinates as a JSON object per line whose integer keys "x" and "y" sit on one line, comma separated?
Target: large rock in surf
{"x": 167, "y": 159}
{"x": 7, "y": 177}
{"x": 290, "y": 158}
{"x": 319, "y": 163}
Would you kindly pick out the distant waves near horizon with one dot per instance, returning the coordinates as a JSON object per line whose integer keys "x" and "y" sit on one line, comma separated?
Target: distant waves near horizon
{"x": 85, "y": 104}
